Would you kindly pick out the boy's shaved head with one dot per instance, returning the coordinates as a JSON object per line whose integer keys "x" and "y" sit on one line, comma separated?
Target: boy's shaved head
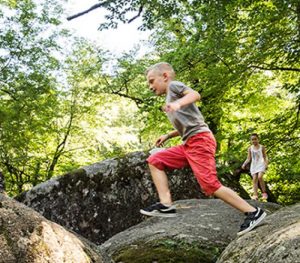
{"x": 162, "y": 67}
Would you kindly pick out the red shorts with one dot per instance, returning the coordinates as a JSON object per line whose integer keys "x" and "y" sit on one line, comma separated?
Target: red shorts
{"x": 199, "y": 153}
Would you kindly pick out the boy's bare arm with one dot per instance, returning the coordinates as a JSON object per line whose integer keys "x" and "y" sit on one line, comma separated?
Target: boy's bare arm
{"x": 172, "y": 134}
{"x": 160, "y": 141}
{"x": 190, "y": 96}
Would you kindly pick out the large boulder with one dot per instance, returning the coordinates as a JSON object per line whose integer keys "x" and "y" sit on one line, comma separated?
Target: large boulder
{"x": 102, "y": 199}
{"x": 277, "y": 240}
{"x": 27, "y": 237}
{"x": 200, "y": 232}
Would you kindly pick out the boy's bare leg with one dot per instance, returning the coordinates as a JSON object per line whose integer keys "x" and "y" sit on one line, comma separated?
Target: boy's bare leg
{"x": 232, "y": 198}
{"x": 160, "y": 180}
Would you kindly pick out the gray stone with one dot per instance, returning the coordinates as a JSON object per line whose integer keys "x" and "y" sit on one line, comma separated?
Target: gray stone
{"x": 102, "y": 199}
{"x": 277, "y": 240}
{"x": 200, "y": 232}
{"x": 27, "y": 237}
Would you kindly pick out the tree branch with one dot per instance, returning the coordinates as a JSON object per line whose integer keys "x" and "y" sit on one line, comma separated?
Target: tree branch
{"x": 88, "y": 10}
{"x": 61, "y": 146}
{"x": 224, "y": 62}
{"x": 9, "y": 93}
{"x": 136, "y": 16}
{"x": 138, "y": 101}
{"x": 275, "y": 68}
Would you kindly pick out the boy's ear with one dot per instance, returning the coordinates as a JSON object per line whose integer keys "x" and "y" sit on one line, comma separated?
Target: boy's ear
{"x": 165, "y": 75}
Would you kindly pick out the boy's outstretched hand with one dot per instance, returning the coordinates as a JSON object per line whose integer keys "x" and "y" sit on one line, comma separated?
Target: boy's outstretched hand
{"x": 172, "y": 106}
{"x": 160, "y": 141}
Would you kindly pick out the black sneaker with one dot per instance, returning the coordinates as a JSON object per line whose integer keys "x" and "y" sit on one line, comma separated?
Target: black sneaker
{"x": 252, "y": 220}
{"x": 160, "y": 210}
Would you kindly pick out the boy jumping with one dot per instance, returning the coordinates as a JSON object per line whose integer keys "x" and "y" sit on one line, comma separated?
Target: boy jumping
{"x": 197, "y": 151}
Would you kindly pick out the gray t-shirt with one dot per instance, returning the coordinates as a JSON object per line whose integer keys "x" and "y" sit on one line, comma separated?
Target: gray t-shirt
{"x": 188, "y": 120}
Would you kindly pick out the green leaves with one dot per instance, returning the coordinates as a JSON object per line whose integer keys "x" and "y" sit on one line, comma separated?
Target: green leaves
{"x": 62, "y": 109}
{"x": 243, "y": 57}
{"x": 28, "y": 91}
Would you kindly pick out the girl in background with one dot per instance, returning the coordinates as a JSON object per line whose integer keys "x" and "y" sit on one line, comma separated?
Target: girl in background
{"x": 259, "y": 163}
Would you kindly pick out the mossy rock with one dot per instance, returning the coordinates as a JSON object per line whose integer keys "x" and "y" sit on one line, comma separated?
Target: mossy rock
{"x": 167, "y": 251}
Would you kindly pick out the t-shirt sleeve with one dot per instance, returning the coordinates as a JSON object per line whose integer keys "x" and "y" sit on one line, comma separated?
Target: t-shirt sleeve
{"x": 178, "y": 88}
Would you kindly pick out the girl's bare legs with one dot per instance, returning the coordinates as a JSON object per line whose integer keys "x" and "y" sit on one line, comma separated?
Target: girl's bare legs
{"x": 161, "y": 183}
{"x": 232, "y": 198}
{"x": 261, "y": 181}
{"x": 262, "y": 185}
{"x": 255, "y": 186}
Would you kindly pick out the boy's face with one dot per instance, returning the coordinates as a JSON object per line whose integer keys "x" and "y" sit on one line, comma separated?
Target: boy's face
{"x": 158, "y": 82}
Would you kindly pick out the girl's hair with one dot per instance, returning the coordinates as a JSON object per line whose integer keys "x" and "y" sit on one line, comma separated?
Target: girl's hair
{"x": 254, "y": 134}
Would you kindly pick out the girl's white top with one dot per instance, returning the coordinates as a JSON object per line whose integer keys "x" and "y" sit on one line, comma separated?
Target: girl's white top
{"x": 257, "y": 160}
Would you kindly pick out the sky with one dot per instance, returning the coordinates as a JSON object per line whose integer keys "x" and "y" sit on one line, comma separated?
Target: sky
{"x": 115, "y": 40}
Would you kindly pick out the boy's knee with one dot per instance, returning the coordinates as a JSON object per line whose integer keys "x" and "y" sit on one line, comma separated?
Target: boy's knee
{"x": 211, "y": 188}
{"x": 155, "y": 162}
{"x": 154, "y": 166}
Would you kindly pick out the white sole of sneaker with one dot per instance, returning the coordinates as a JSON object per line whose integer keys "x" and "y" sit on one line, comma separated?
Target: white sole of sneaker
{"x": 253, "y": 226}
{"x": 157, "y": 214}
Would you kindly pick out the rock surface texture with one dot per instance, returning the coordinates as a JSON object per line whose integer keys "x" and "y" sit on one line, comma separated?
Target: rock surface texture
{"x": 200, "y": 232}
{"x": 277, "y": 240}
{"x": 101, "y": 202}
{"x": 27, "y": 237}
{"x": 103, "y": 199}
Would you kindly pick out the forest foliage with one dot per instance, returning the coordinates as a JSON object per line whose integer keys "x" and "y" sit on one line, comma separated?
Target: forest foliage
{"x": 63, "y": 106}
